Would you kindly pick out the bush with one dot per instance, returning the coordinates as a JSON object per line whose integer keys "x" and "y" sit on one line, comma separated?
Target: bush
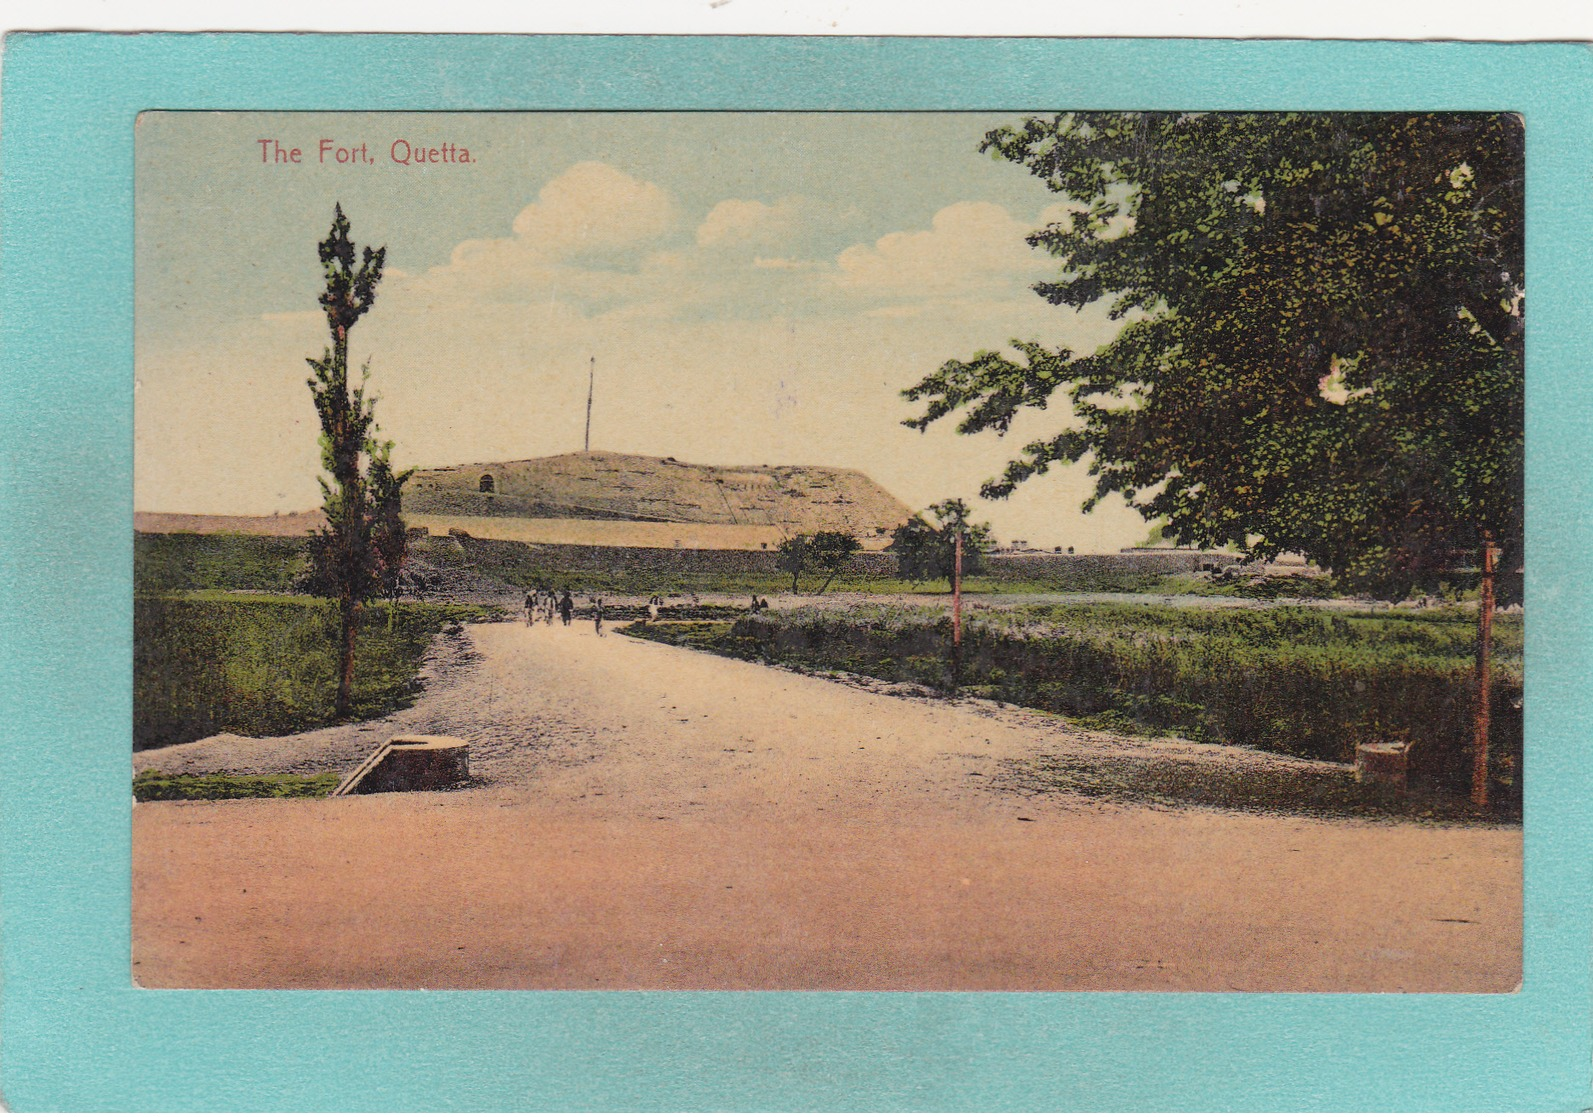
{"x": 1301, "y": 681}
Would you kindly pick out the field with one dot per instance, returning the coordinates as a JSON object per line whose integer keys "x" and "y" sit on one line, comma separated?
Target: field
{"x": 1300, "y": 681}
{"x": 213, "y": 663}
{"x": 468, "y": 568}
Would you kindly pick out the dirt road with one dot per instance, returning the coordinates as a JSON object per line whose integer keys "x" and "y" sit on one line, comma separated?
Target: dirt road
{"x": 654, "y": 818}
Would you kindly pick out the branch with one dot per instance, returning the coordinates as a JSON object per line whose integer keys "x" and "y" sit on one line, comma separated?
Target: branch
{"x": 991, "y": 387}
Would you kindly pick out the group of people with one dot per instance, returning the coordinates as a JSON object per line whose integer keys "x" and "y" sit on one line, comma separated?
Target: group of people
{"x": 544, "y": 604}
{"x": 541, "y": 603}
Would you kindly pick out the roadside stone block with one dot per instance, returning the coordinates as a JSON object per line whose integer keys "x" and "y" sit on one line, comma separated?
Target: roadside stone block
{"x": 418, "y": 763}
{"x": 1384, "y": 763}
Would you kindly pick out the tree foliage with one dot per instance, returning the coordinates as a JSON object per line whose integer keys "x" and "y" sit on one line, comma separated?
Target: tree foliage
{"x": 832, "y": 550}
{"x": 926, "y": 545}
{"x": 359, "y": 552}
{"x": 826, "y": 552}
{"x": 1322, "y": 342}
{"x": 389, "y": 535}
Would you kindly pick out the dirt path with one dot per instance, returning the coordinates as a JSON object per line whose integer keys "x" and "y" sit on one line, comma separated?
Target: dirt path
{"x": 650, "y": 817}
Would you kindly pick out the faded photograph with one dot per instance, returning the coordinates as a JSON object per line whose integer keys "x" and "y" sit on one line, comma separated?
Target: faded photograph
{"x": 1033, "y": 550}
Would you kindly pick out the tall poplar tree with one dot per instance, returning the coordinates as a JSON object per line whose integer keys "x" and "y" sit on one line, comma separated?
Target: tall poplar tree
{"x": 345, "y": 560}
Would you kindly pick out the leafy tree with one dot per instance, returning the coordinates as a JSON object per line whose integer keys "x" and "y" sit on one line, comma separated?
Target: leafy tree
{"x": 346, "y": 563}
{"x": 826, "y": 552}
{"x": 831, "y": 551}
{"x": 792, "y": 557}
{"x": 1322, "y": 349}
{"x": 913, "y": 544}
{"x": 1322, "y": 346}
{"x": 926, "y": 545}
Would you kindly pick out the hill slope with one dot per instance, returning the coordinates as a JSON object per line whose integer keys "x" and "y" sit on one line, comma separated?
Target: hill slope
{"x": 600, "y": 485}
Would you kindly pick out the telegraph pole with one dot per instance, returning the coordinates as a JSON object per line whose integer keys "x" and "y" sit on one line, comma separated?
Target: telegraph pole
{"x": 956, "y": 610}
{"x": 956, "y": 592}
{"x": 1484, "y": 709}
{"x": 591, "y": 378}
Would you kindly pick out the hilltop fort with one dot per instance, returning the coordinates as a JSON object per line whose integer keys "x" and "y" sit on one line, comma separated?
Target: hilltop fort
{"x": 628, "y": 499}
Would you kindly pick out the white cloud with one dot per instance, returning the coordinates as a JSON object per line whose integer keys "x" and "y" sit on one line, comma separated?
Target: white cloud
{"x": 971, "y": 248}
{"x": 606, "y": 244}
{"x": 584, "y": 236}
{"x": 737, "y": 221}
{"x": 593, "y": 206}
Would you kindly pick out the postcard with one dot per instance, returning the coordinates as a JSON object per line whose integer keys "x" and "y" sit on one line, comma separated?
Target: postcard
{"x": 753, "y": 579}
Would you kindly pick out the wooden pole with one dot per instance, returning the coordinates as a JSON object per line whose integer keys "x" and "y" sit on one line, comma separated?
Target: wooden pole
{"x": 591, "y": 378}
{"x": 956, "y": 611}
{"x": 1485, "y": 603}
{"x": 956, "y": 593}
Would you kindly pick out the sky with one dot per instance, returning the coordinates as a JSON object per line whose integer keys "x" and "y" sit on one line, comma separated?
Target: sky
{"x": 755, "y": 288}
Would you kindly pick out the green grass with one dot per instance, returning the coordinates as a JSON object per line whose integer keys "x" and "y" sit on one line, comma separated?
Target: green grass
{"x": 182, "y": 562}
{"x": 155, "y": 786}
{"x": 263, "y": 665}
{"x": 1295, "y": 680}
{"x": 708, "y": 636}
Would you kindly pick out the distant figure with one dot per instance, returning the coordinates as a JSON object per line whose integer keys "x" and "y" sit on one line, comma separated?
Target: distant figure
{"x": 530, "y": 607}
{"x": 597, "y": 614}
{"x": 550, "y": 605}
{"x": 652, "y": 608}
{"x": 753, "y": 608}
{"x": 566, "y": 608}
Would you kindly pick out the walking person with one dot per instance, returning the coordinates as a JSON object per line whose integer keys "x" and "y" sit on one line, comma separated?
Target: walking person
{"x": 530, "y": 607}
{"x": 566, "y": 608}
{"x": 597, "y": 614}
{"x": 652, "y": 608}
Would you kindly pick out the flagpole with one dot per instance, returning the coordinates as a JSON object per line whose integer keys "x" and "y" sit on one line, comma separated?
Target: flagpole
{"x": 591, "y": 378}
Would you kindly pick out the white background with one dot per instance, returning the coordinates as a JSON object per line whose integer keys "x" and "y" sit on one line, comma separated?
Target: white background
{"x": 1358, "y": 19}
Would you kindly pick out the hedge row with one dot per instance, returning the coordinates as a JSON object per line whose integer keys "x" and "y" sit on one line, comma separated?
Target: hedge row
{"x": 1294, "y": 681}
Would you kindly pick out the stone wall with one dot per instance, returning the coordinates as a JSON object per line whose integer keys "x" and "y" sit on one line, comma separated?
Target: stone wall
{"x": 577, "y": 558}
{"x": 1051, "y": 565}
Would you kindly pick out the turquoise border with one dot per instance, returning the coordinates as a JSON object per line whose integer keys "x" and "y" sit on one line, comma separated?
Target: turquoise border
{"x": 74, "y": 1034}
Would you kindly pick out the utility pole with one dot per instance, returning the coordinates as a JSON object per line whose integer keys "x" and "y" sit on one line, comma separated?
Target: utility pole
{"x": 591, "y": 378}
{"x": 956, "y": 610}
{"x": 1485, "y": 603}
